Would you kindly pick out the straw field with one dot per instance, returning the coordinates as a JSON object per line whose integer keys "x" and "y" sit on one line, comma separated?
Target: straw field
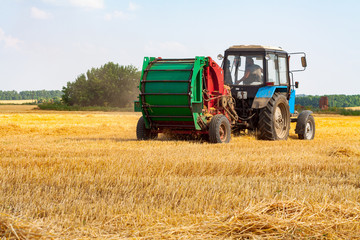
{"x": 353, "y": 108}
{"x": 18, "y": 101}
{"x": 82, "y": 175}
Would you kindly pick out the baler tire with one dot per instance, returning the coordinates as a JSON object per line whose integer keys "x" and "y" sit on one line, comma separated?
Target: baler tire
{"x": 309, "y": 131}
{"x": 142, "y": 133}
{"x": 219, "y": 129}
{"x": 274, "y": 119}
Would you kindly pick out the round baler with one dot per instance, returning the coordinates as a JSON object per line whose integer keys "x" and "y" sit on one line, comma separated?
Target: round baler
{"x": 184, "y": 96}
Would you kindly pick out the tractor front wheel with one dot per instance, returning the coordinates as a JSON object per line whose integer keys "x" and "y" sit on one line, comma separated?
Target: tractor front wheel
{"x": 142, "y": 133}
{"x": 274, "y": 119}
{"x": 219, "y": 129}
{"x": 308, "y": 129}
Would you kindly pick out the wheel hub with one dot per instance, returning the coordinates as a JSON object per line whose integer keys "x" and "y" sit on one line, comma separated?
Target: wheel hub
{"x": 222, "y": 132}
{"x": 308, "y": 130}
{"x": 280, "y": 122}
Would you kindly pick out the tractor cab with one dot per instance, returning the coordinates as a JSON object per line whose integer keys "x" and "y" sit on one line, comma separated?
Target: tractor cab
{"x": 254, "y": 74}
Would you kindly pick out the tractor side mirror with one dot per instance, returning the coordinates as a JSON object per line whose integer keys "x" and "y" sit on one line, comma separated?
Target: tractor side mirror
{"x": 302, "y": 59}
{"x": 220, "y": 57}
{"x": 296, "y": 84}
{"x": 303, "y": 62}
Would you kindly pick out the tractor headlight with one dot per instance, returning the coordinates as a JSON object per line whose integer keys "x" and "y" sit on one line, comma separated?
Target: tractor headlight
{"x": 242, "y": 95}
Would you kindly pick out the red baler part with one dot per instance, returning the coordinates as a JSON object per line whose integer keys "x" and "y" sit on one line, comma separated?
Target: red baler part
{"x": 214, "y": 83}
{"x": 214, "y": 88}
{"x": 214, "y": 77}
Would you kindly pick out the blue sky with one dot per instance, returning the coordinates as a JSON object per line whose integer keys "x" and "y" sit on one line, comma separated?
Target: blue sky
{"x": 46, "y": 43}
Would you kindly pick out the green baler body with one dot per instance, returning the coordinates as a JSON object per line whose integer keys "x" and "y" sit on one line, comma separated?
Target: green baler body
{"x": 171, "y": 92}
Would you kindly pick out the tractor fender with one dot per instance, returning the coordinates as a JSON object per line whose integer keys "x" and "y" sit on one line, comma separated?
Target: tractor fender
{"x": 301, "y": 121}
{"x": 264, "y": 95}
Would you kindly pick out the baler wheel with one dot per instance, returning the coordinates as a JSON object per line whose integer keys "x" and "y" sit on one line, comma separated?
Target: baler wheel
{"x": 274, "y": 119}
{"x": 142, "y": 133}
{"x": 219, "y": 129}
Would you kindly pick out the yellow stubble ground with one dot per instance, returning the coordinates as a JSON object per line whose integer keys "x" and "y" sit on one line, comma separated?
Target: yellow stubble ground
{"x": 84, "y": 175}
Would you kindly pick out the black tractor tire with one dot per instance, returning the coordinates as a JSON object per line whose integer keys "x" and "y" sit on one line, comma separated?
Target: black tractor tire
{"x": 309, "y": 129}
{"x": 274, "y": 119}
{"x": 219, "y": 129}
{"x": 142, "y": 133}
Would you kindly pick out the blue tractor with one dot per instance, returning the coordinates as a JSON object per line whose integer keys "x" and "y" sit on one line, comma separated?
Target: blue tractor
{"x": 263, "y": 92}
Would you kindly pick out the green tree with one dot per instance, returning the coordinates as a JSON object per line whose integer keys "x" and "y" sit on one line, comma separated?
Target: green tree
{"x": 110, "y": 85}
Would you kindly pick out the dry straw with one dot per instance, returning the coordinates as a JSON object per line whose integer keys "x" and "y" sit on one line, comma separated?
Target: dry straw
{"x": 15, "y": 228}
{"x": 84, "y": 176}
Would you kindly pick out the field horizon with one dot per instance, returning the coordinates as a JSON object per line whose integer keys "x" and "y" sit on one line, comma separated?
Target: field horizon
{"x": 5, "y": 102}
{"x": 83, "y": 175}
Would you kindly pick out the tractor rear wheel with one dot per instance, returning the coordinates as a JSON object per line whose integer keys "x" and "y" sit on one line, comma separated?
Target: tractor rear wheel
{"x": 219, "y": 129}
{"x": 274, "y": 119}
{"x": 142, "y": 133}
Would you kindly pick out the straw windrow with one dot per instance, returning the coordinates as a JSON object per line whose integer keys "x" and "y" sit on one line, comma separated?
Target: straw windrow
{"x": 15, "y": 228}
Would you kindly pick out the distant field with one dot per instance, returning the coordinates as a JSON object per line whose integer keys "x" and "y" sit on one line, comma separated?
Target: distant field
{"x": 16, "y": 108}
{"x": 17, "y": 101}
{"x": 353, "y": 108}
{"x": 83, "y": 175}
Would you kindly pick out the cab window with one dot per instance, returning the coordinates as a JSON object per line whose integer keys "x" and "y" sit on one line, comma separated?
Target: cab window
{"x": 244, "y": 70}
{"x": 273, "y": 69}
{"x": 277, "y": 69}
{"x": 283, "y": 70}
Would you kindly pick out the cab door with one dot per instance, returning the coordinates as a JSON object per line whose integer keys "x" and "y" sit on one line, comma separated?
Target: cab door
{"x": 277, "y": 70}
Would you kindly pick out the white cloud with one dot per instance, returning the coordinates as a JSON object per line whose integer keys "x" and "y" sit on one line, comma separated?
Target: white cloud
{"x": 133, "y": 6}
{"x": 117, "y": 15}
{"x": 39, "y": 14}
{"x": 54, "y": 2}
{"x": 87, "y": 3}
{"x": 9, "y": 41}
{"x": 121, "y": 14}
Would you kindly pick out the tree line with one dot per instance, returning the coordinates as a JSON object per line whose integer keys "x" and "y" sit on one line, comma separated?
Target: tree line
{"x": 113, "y": 85}
{"x": 334, "y": 100}
{"x": 27, "y": 95}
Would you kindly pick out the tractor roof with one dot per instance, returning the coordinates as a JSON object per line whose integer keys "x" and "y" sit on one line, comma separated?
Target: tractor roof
{"x": 253, "y": 48}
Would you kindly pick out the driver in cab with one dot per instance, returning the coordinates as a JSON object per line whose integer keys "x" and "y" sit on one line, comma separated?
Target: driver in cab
{"x": 252, "y": 73}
